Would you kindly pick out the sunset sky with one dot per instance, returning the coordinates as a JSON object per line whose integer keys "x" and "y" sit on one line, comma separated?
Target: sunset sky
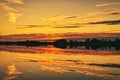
{"x": 59, "y": 16}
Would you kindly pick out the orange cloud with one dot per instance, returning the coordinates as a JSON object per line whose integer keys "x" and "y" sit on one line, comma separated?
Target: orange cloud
{"x": 13, "y": 16}
{"x": 7, "y": 8}
{"x": 108, "y": 4}
{"x": 53, "y": 18}
{"x": 62, "y": 21}
{"x": 16, "y": 1}
{"x": 12, "y": 13}
{"x": 111, "y": 22}
{"x": 105, "y": 12}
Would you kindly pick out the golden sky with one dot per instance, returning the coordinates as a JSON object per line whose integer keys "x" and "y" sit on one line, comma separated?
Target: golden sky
{"x": 59, "y": 16}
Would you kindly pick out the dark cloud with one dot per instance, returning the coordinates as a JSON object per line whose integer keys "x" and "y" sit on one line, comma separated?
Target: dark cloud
{"x": 41, "y": 26}
{"x": 72, "y": 17}
{"x": 114, "y": 11}
{"x": 67, "y": 27}
{"x": 29, "y": 26}
{"x": 112, "y": 22}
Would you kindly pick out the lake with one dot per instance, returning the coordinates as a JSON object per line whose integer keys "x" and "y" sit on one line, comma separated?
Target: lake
{"x": 49, "y": 63}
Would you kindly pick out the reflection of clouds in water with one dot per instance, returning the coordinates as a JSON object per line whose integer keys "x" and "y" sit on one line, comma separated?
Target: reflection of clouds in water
{"x": 88, "y": 72}
{"x": 76, "y": 66}
{"x": 51, "y": 50}
{"x": 9, "y": 77}
{"x": 53, "y": 69}
{"x": 64, "y": 63}
{"x": 11, "y": 72}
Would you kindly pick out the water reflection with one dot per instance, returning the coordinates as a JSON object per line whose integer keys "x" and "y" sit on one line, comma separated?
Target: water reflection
{"x": 53, "y": 50}
{"x": 11, "y": 72}
{"x": 48, "y": 63}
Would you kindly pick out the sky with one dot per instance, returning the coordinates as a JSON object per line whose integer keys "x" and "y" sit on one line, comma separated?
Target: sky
{"x": 59, "y": 16}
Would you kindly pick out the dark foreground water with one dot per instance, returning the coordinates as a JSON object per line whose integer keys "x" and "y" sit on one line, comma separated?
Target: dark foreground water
{"x": 48, "y": 63}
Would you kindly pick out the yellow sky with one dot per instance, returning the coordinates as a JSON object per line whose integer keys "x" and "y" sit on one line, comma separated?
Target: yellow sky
{"x": 59, "y": 16}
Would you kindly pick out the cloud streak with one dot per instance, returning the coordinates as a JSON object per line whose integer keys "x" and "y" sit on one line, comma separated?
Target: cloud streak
{"x": 33, "y": 26}
{"x": 12, "y": 13}
{"x": 104, "y": 12}
{"x": 7, "y": 8}
{"x": 79, "y": 19}
{"x": 28, "y": 26}
{"x": 115, "y": 13}
{"x": 112, "y": 22}
{"x": 68, "y": 27}
{"x": 16, "y": 1}
{"x": 48, "y": 25}
{"x": 108, "y": 4}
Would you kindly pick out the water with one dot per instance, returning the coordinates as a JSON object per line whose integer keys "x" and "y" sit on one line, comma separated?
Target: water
{"x": 49, "y": 63}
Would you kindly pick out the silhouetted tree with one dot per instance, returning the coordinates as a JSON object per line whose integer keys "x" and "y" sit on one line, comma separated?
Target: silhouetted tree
{"x": 87, "y": 40}
{"x": 117, "y": 44}
{"x": 62, "y": 43}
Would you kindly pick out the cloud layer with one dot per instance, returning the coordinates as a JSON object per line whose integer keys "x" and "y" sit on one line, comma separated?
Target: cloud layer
{"x": 108, "y": 4}
{"x": 11, "y": 12}
{"x": 112, "y": 22}
{"x": 16, "y": 1}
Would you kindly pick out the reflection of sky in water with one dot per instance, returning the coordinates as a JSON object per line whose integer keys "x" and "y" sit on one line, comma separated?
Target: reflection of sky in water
{"x": 54, "y": 64}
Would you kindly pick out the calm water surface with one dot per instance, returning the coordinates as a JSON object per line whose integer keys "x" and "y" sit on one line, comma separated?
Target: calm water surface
{"x": 41, "y": 63}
